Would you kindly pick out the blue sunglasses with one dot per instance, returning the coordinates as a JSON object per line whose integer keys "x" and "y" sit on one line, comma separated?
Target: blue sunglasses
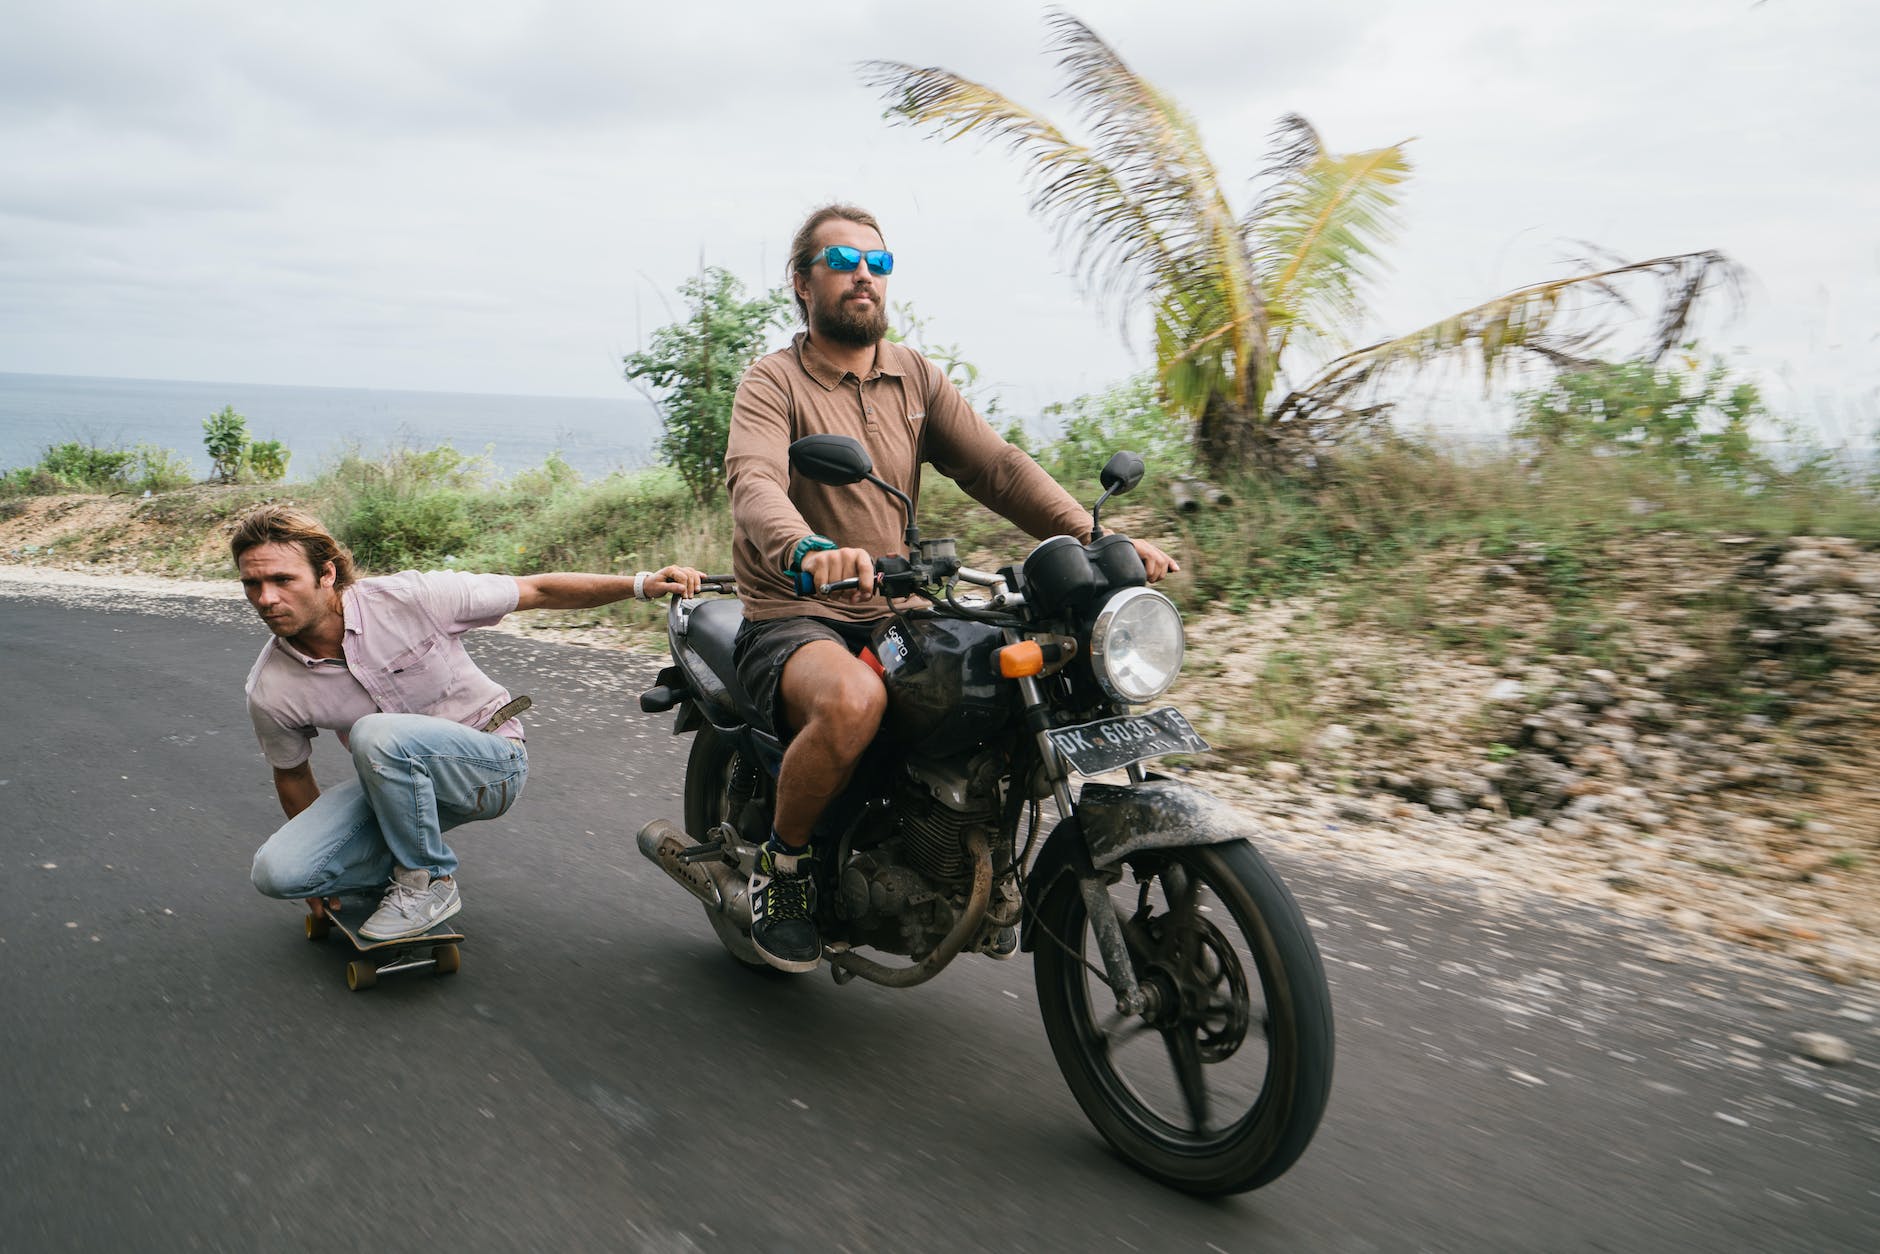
{"x": 842, "y": 258}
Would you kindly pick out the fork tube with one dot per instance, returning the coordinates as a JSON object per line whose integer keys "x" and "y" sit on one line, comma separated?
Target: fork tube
{"x": 1094, "y": 887}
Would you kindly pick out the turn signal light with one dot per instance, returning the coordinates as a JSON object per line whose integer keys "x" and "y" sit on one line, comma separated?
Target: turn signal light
{"x": 1016, "y": 661}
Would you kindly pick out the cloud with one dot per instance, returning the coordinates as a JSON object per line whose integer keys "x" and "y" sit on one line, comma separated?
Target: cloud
{"x": 502, "y": 195}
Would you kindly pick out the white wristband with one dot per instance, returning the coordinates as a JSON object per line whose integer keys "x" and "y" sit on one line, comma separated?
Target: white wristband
{"x": 639, "y": 585}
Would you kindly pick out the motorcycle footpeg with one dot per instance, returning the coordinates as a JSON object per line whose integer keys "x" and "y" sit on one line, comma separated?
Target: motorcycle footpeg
{"x": 709, "y": 852}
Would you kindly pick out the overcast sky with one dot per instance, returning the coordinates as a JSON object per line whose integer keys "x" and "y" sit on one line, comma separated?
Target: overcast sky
{"x": 486, "y": 197}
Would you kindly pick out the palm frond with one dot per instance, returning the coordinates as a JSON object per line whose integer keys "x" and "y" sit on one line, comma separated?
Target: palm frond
{"x": 1154, "y": 148}
{"x": 1114, "y": 244}
{"x": 1315, "y": 233}
{"x": 1558, "y": 323}
{"x": 1139, "y": 208}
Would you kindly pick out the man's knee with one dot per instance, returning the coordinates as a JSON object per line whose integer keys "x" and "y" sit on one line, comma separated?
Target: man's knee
{"x": 842, "y": 700}
{"x": 374, "y": 738}
{"x": 274, "y": 876}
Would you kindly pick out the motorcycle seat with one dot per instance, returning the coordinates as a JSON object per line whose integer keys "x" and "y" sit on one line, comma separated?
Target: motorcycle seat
{"x": 711, "y": 633}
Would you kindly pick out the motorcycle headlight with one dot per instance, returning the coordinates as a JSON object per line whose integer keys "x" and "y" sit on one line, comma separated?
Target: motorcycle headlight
{"x": 1136, "y": 645}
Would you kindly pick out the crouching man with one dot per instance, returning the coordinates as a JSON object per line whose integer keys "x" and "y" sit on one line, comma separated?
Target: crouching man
{"x": 381, "y": 663}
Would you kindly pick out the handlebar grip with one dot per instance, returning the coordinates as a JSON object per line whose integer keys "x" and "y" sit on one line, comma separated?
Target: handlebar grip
{"x": 804, "y": 583}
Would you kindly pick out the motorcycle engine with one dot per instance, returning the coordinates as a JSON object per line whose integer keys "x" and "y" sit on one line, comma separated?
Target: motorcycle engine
{"x": 901, "y": 895}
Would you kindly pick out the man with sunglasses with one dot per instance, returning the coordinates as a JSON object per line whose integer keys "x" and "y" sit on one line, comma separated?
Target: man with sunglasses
{"x": 796, "y": 656}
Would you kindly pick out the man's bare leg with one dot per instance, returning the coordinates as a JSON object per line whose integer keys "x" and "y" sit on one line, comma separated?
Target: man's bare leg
{"x": 835, "y": 702}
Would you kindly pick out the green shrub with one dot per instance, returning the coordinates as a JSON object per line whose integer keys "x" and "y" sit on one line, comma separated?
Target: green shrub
{"x": 157, "y": 469}
{"x": 225, "y": 436}
{"x": 1127, "y": 416}
{"x": 74, "y": 466}
{"x": 87, "y": 466}
{"x": 1684, "y": 413}
{"x": 266, "y": 461}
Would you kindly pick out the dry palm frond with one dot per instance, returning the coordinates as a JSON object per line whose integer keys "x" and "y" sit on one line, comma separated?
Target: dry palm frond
{"x": 1214, "y": 309}
{"x": 1139, "y": 208}
{"x": 1317, "y": 229}
{"x": 1557, "y": 322}
{"x": 1114, "y": 244}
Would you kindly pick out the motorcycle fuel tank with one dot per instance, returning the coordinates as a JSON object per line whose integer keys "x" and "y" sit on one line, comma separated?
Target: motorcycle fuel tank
{"x": 945, "y": 693}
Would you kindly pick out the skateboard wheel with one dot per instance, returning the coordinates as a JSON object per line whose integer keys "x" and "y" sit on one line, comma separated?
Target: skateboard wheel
{"x": 361, "y": 976}
{"x": 318, "y": 927}
{"x": 448, "y": 959}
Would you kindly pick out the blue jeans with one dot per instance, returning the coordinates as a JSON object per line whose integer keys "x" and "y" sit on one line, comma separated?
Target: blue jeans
{"x": 418, "y": 777}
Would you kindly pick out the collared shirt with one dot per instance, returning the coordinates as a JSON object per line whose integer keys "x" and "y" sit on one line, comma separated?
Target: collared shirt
{"x": 404, "y": 654}
{"x": 904, "y": 411}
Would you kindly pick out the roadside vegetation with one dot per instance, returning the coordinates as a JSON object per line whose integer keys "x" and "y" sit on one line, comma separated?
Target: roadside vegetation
{"x": 82, "y": 466}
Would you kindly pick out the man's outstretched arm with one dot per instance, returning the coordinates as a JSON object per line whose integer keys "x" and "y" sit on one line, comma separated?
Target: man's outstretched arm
{"x": 572, "y": 590}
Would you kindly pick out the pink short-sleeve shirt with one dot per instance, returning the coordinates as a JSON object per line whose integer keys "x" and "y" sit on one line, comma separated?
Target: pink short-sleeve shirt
{"x": 404, "y": 654}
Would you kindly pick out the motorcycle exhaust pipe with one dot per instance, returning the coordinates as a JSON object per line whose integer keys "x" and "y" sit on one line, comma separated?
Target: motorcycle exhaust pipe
{"x": 716, "y": 883}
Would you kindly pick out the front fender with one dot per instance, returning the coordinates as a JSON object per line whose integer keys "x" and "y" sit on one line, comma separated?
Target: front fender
{"x": 1120, "y": 819}
{"x": 1114, "y": 821}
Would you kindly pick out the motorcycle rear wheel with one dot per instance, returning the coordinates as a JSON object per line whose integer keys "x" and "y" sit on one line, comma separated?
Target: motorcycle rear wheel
{"x": 1230, "y": 1095}
{"x": 708, "y": 771}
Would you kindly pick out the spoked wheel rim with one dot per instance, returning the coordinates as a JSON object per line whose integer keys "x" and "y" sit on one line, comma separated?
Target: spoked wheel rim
{"x": 1198, "y": 1070}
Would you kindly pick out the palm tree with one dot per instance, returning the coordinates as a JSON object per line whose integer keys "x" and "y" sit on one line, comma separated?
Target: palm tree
{"x": 1251, "y": 312}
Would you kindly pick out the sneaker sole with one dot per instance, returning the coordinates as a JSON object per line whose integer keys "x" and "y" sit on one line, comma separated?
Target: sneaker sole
{"x": 794, "y": 967}
{"x": 446, "y": 913}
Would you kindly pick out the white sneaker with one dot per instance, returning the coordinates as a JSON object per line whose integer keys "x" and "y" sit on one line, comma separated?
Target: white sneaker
{"x": 415, "y": 904}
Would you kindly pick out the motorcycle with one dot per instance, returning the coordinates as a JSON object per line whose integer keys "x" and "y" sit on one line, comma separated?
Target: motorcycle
{"x": 1181, "y": 991}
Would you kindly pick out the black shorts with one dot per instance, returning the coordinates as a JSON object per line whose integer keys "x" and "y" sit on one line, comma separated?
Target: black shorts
{"x": 763, "y": 647}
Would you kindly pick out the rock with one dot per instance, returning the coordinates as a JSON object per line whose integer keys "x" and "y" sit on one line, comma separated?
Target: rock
{"x": 1841, "y": 629}
{"x": 1595, "y": 695}
{"x": 1335, "y": 738}
{"x": 1283, "y": 772}
{"x": 1504, "y": 691}
{"x": 1447, "y": 800}
{"x": 1824, "y": 1048}
{"x": 1352, "y": 810}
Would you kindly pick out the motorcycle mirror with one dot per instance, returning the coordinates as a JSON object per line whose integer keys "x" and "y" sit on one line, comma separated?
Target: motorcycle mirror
{"x": 1121, "y": 473}
{"x": 834, "y": 460}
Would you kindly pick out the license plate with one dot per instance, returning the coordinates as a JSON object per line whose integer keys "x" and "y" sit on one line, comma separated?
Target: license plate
{"x": 1110, "y": 743}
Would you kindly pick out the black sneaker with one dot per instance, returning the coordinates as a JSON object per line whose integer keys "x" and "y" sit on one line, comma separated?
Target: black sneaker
{"x": 783, "y": 908}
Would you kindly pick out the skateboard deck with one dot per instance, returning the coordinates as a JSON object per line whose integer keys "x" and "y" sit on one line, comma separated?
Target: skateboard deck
{"x": 434, "y": 950}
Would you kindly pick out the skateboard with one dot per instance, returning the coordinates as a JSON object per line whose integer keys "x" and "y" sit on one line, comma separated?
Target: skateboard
{"x": 435, "y": 949}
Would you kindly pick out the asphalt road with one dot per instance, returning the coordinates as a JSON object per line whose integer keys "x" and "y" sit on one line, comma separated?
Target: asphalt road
{"x": 183, "y": 1070}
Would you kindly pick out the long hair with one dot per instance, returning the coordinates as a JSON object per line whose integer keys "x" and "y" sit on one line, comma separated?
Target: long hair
{"x": 803, "y": 250}
{"x": 283, "y": 524}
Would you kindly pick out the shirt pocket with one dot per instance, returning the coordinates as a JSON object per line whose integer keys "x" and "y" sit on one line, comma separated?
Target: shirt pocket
{"x": 421, "y": 678}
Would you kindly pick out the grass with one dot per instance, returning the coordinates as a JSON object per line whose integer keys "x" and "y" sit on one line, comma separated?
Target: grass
{"x": 1560, "y": 525}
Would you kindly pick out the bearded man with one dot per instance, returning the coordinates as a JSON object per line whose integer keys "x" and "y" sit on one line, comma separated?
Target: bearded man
{"x": 796, "y": 656}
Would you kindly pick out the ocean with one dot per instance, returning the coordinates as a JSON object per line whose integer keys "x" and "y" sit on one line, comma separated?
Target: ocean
{"x": 595, "y": 435}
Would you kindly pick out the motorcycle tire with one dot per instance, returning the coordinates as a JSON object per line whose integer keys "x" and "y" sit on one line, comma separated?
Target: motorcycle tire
{"x": 1258, "y": 1001}
{"x": 708, "y": 771}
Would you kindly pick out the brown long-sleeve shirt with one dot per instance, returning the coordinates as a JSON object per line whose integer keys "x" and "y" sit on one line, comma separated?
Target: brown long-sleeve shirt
{"x": 904, "y": 412}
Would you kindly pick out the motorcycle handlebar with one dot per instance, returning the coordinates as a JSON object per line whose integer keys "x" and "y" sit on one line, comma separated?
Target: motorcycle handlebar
{"x": 806, "y": 585}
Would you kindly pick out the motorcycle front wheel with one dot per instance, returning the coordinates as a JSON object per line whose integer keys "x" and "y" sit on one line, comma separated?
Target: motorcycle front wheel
{"x": 1220, "y": 1088}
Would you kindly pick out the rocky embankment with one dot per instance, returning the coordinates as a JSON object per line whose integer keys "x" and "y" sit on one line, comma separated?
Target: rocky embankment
{"x": 1710, "y": 760}
{"x": 1693, "y": 745}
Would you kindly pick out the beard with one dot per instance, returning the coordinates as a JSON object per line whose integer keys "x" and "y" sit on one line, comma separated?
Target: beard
{"x": 849, "y": 326}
